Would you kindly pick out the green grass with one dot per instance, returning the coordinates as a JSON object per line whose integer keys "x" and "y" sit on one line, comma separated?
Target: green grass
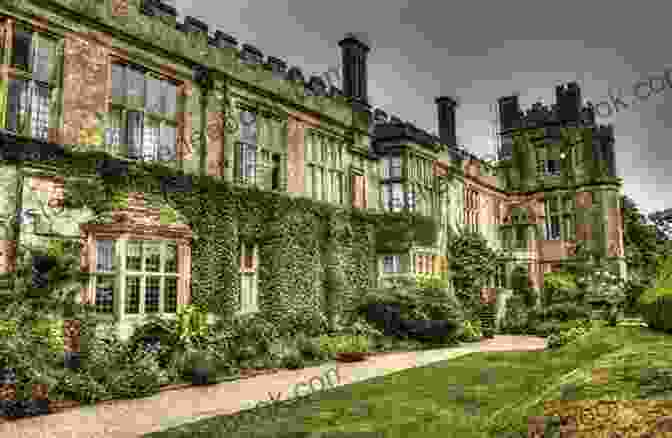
{"x": 478, "y": 395}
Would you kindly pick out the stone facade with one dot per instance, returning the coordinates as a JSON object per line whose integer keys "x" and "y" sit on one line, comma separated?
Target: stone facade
{"x": 351, "y": 165}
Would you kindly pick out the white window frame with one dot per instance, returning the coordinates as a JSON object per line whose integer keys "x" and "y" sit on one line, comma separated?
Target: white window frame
{"x": 393, "y": 261}
{"x": 120, "y": 275}
{"x": 249, "y": 280}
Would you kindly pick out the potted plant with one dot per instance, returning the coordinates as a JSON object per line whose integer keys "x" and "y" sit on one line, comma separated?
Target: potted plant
{"x": 352, "y": 348}
{"x": 203, "y": 369}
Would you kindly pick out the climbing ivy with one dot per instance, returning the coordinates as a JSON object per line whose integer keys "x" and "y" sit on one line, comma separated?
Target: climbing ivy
{"x": 314, "y": 258}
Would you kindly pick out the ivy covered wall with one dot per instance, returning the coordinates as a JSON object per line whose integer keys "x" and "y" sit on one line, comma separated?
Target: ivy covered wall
{"x": 313, "y": 257}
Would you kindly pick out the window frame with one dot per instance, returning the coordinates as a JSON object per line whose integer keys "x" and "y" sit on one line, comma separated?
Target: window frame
{"x": 121, "y": 275}
{"x": 29, "y": 121}
{"x": 165, "y": 120}
{"x": 249, "y": 278}
{"x": 324, "y": 158}
{"x": 395, "y": 263}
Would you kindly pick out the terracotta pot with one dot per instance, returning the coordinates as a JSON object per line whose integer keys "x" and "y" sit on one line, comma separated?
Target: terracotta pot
{"x": 40, "y": 391}
{"x": 61, "y": 405}
{"x": 8, "y": 392}
{"x": 354, "y": 356}
{"x": 71, "y": 332}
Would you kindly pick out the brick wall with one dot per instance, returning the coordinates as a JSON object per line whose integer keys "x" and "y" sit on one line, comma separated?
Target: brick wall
{"x": 86, "y": 85}
{"x": 295, "y": 155}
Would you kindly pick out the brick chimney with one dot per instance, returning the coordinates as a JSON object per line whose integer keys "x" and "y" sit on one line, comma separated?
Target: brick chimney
{"x": 354, "y": 54}
{"x": 446, "y": 111}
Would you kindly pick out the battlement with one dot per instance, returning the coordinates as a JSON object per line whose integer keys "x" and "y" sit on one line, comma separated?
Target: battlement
{"x": 247, "y": 53}
{"x": 567, "y": 109}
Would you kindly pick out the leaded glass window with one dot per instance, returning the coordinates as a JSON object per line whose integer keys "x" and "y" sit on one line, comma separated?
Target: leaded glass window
{"x": 143, "y": 115}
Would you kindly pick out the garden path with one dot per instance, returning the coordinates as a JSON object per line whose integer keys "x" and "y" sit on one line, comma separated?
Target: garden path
{"x": 134, "y": 418}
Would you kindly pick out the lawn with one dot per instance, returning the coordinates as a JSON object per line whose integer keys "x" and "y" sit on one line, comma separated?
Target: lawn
{"x": 478, "y": 395}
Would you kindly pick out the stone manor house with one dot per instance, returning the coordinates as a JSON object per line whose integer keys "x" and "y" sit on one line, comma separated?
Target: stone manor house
{"x": 127, "y": 78}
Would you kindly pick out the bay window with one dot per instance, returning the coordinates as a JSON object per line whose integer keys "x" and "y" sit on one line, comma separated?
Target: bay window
{"x": 141, "y": 274}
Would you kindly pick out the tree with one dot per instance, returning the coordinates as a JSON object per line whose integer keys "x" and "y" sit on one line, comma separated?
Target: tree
{"x": 643, "y": 247}
{"x": 473, "y": 264}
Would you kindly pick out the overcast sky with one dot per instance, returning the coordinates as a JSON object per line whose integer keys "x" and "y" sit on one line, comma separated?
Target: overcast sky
{"x": 478, "y": 51}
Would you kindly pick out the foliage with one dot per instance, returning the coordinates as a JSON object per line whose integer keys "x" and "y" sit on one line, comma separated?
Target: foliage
{"x": 157, "y": 329}
{"x": 140, "y": 376}
{"x": 520, "y": 284}
{"x": 309, "y": 347}
{"x": 471, "y": 331}
{"x": 565, "y": 337}
{"x": 473, "y": 263}
{"x": 190, "y": 323}
{"x": 656, "y": 308}
{"x": 654, "y": 381}
{"x": 428, "y": 303}
{"x": 333, "y": 345}
{"x": 359, "y": 326}
{"x": 515, "y": 320}
{"x": 289, "y": 232}
{"x": 489, "y": 332}
{"x": 641, "y": 245}
{"x": 293, "y": 361}
{"x": 241, "y": 338}
{"x": 559, "y": 287}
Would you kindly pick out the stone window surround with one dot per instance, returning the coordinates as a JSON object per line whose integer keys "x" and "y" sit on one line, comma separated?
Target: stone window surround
{"x": 184, "y": 90}
{"x": 89, "y": 233}
{"x": 334, "y": 147}
{"x": 8, "y": 25}
{"x": 249, "y": 277}
{"x": 119, "y": 59}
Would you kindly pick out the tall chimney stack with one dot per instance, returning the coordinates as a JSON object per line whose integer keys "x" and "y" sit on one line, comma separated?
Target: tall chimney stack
{"x": 446, "y": 111}
{"x": 354, "y": 53}
{"x": 509, "y": 112}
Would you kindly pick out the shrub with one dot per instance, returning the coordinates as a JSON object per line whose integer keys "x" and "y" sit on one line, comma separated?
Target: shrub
{"x": 309, "y": 347}
{"x": 360, "y": 326}
{"x": 190, "y": 323}
{"x": 245, "y": 336}
{"x": 333, "y": 345}
{"x": 82, "y": 387}
{"x": 471, "y": 331}
{"x": 653, "y": 381}
{"x": 489, "y": 332}
{"x": 565, "y": 337}
{"x": 159, "y": 333}
{"x": 568, "y": 310}
{"x": 656, "y": 308}
{"x": 141, "y": 376}
{"x": 515, "y": 318}
{"x": 293, "y": 361}
{"x": 413, "y": 302}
